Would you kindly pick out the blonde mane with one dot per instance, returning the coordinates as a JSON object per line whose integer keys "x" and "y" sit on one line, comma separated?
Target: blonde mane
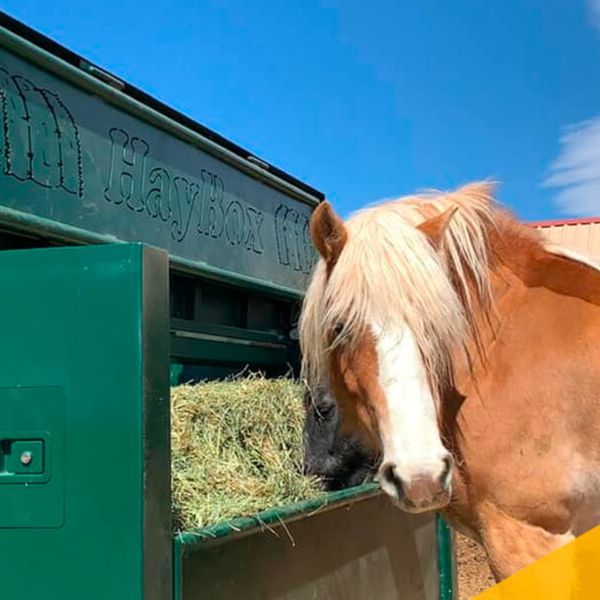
{"x": 389, "y": 273}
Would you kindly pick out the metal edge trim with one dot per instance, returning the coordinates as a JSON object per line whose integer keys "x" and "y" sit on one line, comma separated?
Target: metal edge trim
{"x": 229, "y": 340}
{"x": 189, "y": 540}
{"x": 156, "y": 430}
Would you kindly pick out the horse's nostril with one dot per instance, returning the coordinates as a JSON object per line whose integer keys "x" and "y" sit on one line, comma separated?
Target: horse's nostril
{"x": 388, "y": 473}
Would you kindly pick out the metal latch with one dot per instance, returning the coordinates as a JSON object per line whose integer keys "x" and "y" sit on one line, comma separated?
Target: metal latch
{"x": 21, "y": 457}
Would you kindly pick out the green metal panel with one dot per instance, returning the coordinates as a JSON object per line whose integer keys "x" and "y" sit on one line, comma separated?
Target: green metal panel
{"x": 446, "y": 562}
{"x": 358, "y": 545}
{"x": 83, "y": 161}
{"x": 84, "y": 353}
{"x": 33, "y": 420}
{"x": 175, "y": 371}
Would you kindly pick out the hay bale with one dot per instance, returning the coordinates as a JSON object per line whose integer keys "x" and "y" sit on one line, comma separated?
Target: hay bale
{"x": 236, "y": 449}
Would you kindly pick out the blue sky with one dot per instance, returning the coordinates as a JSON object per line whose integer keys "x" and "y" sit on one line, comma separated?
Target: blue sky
{"x": 371, "y": 100}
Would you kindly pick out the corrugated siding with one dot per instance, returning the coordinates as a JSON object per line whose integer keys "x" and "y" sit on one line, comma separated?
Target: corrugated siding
{"x": 582, "y": 237}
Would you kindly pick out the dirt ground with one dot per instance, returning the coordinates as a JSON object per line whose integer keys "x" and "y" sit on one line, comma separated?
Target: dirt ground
{"x": 473, "y": 571}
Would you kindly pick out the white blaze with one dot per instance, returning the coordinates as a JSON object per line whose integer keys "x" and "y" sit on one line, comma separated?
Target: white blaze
{"x": 409, "y": 431}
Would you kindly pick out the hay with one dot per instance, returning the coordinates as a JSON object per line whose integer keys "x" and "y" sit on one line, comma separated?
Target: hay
{"x": 236, "y": 449}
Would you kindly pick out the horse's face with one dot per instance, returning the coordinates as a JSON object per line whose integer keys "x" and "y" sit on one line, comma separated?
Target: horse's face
{"x": 339, "y": 461}
{"x": 383, "y": 390}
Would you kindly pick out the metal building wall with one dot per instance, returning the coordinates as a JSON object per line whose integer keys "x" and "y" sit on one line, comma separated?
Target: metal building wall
{"x": 581, "y": 235}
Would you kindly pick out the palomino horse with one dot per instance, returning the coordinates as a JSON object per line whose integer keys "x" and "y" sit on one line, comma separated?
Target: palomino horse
{"x": 465, "y": 350}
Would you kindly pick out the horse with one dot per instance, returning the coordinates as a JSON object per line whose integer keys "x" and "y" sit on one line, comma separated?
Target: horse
{"x": 464, "y": 349}
{"x": 337, "y": 461}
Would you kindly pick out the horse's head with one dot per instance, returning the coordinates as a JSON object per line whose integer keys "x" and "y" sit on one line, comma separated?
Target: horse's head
{"x": 339, "y": 461}
{"x": 381, "y": 319}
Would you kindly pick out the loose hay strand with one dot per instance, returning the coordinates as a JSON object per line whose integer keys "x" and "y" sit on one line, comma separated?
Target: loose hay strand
{"x": 236, "y": 449}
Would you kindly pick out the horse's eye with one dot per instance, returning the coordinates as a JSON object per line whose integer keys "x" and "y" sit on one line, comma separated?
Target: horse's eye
{"x": 339, "y": 327}
{"x": 324, "y": 412}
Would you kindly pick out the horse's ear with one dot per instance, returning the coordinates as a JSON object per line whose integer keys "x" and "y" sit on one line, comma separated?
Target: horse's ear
{"x": 435, "y": 227}
{"x": 328, "y": 233}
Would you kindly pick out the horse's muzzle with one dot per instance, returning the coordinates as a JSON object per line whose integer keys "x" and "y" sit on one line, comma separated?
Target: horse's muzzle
{"x": 422, "y": 491}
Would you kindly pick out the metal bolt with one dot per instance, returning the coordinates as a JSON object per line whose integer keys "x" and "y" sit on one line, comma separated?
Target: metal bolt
{"x": 26, "y": 458}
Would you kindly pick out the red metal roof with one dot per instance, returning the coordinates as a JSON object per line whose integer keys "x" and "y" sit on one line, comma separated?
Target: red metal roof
{"x": 554, "y": 223}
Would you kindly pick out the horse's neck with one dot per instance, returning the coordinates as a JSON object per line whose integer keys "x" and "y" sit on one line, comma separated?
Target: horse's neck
{"x": 517, "y": 277}
{"x": 560, "y": 272}
{"x": 538, "y": 265}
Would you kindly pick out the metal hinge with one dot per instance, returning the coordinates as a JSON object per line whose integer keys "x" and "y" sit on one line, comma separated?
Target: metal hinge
{"x": 102, "y": 75}
{"x": 259, "y": 163}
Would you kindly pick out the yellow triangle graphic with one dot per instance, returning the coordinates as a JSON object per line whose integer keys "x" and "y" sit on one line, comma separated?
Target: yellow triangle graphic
{"x": 569, "y": 573}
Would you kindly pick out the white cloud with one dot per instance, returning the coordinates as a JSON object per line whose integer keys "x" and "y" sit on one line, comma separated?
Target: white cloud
{"x": 594, "y": 8}
{"x": 576, "y": 171}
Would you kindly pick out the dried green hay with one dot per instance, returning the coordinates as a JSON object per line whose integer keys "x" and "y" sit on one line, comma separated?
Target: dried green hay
{"x": 236, "y": 449}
